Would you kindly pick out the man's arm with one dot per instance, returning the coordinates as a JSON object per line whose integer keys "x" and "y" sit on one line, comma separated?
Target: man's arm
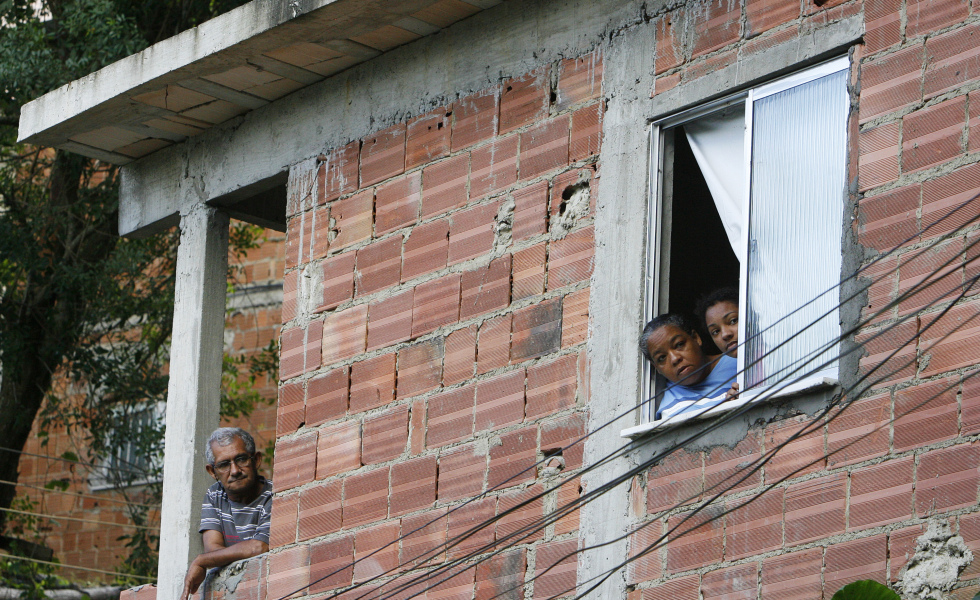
{"x": 216, "y": 554}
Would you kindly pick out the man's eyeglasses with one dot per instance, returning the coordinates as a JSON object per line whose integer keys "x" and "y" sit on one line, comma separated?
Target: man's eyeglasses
{"x": 241, "y": 461}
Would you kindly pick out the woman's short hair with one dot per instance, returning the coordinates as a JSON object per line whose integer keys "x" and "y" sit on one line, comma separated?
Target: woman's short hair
{"x": 679, "y": 321}
{"x": 722, "y": 294}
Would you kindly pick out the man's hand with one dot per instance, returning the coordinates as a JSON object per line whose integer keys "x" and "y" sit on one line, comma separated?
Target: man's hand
{"x": 732, "y": 394}
{"x": 193, "y": 579}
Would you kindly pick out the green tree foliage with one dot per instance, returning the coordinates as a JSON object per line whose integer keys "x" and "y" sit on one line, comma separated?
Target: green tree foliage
{"x": 866, "y": 589}
{"x": 75, "y": 299}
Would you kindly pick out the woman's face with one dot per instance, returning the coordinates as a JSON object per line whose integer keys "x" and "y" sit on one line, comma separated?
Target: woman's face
{"x": 677, "y": 355}
{"x": 722, "y": 322}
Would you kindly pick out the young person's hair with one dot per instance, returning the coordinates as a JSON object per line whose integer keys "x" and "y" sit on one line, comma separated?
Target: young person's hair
{"x": 723, "y": 294}
{"x": 679, "y": 321}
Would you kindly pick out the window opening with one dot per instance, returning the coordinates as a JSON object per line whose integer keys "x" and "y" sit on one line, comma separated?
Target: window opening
{"x": 749, "y": 193}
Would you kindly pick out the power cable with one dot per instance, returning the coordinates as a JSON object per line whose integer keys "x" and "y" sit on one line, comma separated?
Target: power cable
{"x": 74, "y": 462}
{"x": 90, "y": 521}
{"x": 77, "y": 494}
{"x": 76, "y": 567}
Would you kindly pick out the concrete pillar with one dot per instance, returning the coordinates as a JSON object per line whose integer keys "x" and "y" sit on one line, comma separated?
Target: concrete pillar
{"x": 193, "y": 396}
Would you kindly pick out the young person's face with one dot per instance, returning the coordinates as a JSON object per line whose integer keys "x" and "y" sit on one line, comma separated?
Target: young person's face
{"x": 677, "y": 355}
{"x": 722, "y": 322}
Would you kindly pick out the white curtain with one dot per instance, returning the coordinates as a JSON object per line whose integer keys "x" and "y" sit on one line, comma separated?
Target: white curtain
{"x": 718, "y": 142}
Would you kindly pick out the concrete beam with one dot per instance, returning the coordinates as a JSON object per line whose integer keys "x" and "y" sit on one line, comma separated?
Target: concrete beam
{"x": 194, "y": 394}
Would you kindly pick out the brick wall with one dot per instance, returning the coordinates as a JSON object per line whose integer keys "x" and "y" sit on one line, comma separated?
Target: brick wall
{"x": 433, "y": 343}
{"x": 96, "y": 544}
{"x": 846, "y": 500}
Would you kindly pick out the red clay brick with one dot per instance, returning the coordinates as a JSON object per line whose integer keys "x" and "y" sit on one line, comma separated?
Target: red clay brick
{"x": 696, "y": 539}
{"x": 901, "y": 546}
{"x": 426, "y": 250}
{"x": 891, "y": 352}
{"x": 372, "y": 383}
{"x": 677, "y": 480}
{"x": 436, "y": 304}
{"x": 289, "y": 571}
{"x": 802, "y": 455}
{"x": 729, "y": 469}
{"x": 486, "y": 288}
{"x": 366, "y": 497}
{"x": 295, "y": 461}
{"x": 946, "y": 479}
{"x": 580, "y": 80}
{"x": 815, "y": 509}
{"x": 943, "y": 195}
{"x": 332, "y": 563}
{"x": 565, "y": 434}
{"x": 511, "y": 461}
{"x": 795, "y": 575}
{"x": 586, "y": 135}
{"x": 551, "y": 386}
{"x": 881, "y": 494}
{"x": 927, "y": 16}
{"x": 649, "y": 565}
{"x": 385, "y": 435}
{"x": 375, "y": 551}
{"x": 763, "y": 15}
{"x": 291, "y": 408}
{"x": 575, "y": 318}
{"x": 970, "y": 400}
{"x": 891, "y": 82}
{"x": 925, "y": 414}
{"x": 344, "y": 334}
{"x": 493, "y": 350}
{"x": 320, "y": 510}
{"x": 754, "y": 525}
{"x": 379, "y": 265}
{"x": 284, "y": 520}
{"x": 428, "y": 137}
{"x": 390, "y": 320}
{"x": 493, "y": 167}
{"x": 475, "y": 118}
{"x": 889, "y": 219}
{"x": 292, "y": 346}
{"x": 682, "y": 588}
{"x": 530, "y": 211}
{"x": 476, "y": 514}
{"x": 397, "y": 203}
{"x": 952, "y": 60}
{"x": 338, "y": 172}
{"x": 855, "y": 560}
{"x": 536, "y": 330}
{"x": 500, "y": 401}
{"x": 460, "y": 355}
{"x": 544, "y": 147}
{"x": 554, "y": 569}
{"x": 327, "y": 397}
{"x": 420, "y": 367}
{"x": 289, "y": 295}
{"x": 294, "y": 228}
{"x": 444, "y": 185}
{"x": 320, "y": 233}
{"x": 338, "y": 280}
{"x": 423, "y": 537}
{"x": 860, "y": 432}
{"x": 716, "y": 27}
{"x": 973, "y": 123}
{"x": 338, "y": 449}
{"x": 668, "y": 52}
{"x": 383, "y": 155}
{"x": 516, "y": 527}
{"x": 450, "y": 416}
{"x": 471, "y": 232}
{"x": 313, "y": 347}
{"x": 882, "y": 24}
{"x": 710, "y": 65}
{"x": 416, "y": 427}
{"x": 933, "y": 135}
{"x": 878, "y": 155}
{"x": 413, "y": 485}
{"x": 528, "y": 271}
{"x": 462, "y": 471}
{"x": 352, "y": 219}
{"x": 524, "y": 100}
{"x": 734, "y": 583}
{"x": 570, "y": 260}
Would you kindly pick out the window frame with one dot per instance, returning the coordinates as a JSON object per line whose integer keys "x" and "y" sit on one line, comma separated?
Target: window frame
{"x": 658, "y": 238}
{"x": 100, "y": 480}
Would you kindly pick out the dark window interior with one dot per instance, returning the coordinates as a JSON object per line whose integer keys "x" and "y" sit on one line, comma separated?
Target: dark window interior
{"x": 701, "y": 258}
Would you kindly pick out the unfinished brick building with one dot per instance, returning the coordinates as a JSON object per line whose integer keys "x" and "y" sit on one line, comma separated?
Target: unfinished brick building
{"x": 484, "y": 200}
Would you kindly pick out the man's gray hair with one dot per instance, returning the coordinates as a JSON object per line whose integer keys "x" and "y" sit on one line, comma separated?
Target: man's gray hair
{"x": 224, "y": 436}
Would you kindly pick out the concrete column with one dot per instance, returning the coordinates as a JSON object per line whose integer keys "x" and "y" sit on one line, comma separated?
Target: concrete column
{"x": 194, "y": 393}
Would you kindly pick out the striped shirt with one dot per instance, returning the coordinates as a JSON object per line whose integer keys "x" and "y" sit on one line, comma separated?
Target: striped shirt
{"x": 237, "y": 522}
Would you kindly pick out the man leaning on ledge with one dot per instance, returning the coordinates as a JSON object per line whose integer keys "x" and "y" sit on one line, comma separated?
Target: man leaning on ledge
{"x": 237, "y": 508}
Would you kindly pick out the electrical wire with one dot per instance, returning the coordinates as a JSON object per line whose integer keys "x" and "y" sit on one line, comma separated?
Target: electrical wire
{"x": 76, "y": 567}
{"x": 90, "y": 521}
{"x": 77, "y": 494}
{"x": 74, "y": 462}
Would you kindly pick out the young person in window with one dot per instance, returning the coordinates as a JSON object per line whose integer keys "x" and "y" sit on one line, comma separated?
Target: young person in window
{"x": 237, "y": 509}
{"x": 696, "y": 380}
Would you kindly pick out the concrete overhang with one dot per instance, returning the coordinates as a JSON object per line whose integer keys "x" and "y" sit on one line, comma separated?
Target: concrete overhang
{"x": 227, "y": 66}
